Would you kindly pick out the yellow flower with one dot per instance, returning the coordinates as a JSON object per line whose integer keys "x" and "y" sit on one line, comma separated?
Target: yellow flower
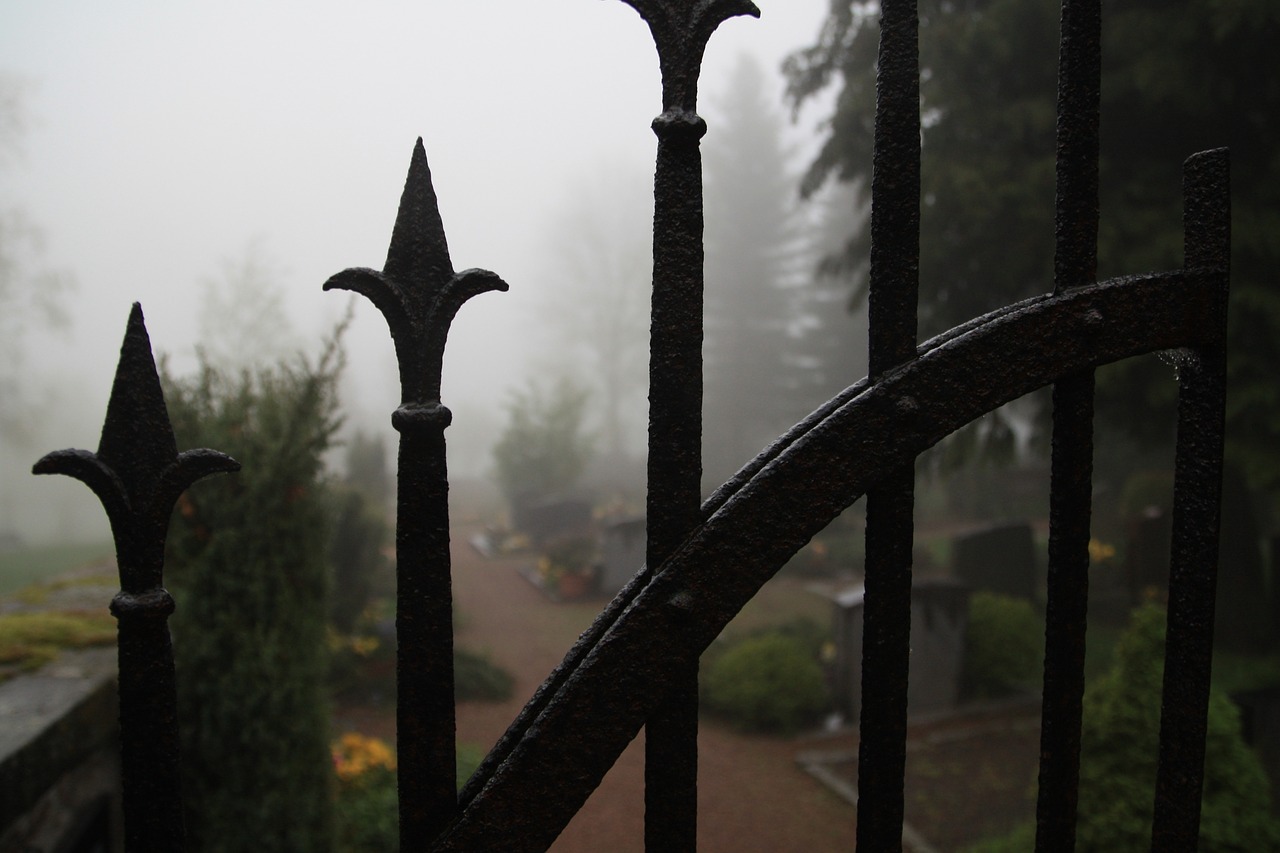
{"x": 1099, "y": 551}
{"x": 354, "y": 755}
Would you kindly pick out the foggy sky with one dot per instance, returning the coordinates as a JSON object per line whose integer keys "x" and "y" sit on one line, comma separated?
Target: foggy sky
{"x": 165, "y": 138}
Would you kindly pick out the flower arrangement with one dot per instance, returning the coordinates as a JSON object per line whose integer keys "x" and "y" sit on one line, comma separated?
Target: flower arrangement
{"x": 569, "y": 565}
{"x": 354, "y": 755}
{"x": 366, "y": 795}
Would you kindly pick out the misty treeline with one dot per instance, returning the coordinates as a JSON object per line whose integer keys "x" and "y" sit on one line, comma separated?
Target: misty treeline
{"x": 30, "y": 286}
{"x": 780, "y": 335}
{"x": 1177, "y": 77}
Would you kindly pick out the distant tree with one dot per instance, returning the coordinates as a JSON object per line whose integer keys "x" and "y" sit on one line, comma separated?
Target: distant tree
{"x": 544, "y": 448}
{"x": 367, "y": 466}
{"x": 1177, "y": 78}
{"x": 30, "y": 291}
{"x": 753, "y": 385}
{"x": 831, "y": 349}
{"x": 596, "y": 304}
{"x": 242, "y": 320}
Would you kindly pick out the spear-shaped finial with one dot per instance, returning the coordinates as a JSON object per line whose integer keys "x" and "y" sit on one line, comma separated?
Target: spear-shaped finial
{"x": 137, "y": 472}
{"x": 138, "y": 475}
{"x": 417, "y": 290}
{"x": 419, "y": 293}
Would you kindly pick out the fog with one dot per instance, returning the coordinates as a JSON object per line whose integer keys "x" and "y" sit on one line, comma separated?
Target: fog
{"x": 164, "y": 143}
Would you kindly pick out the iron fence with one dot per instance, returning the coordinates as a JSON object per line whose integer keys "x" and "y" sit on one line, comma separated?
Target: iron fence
{"x": 637, "y": 665}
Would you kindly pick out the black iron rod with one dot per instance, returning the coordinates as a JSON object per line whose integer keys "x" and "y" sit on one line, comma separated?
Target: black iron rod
{"x": 150, "y": 767}
{"x": 419, "y": 294}
{"x": 680, "y": 30}
{"x": 1071, "y": 462}
{"x": 1197, "y": 495}
{"x": 675, "y": 454}
{"x": 893, "y": 295}
{"x": 425, "y": 715}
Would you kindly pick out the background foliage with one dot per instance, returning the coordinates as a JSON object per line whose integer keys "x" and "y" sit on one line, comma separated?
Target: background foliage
{"x": 247, "y": 562}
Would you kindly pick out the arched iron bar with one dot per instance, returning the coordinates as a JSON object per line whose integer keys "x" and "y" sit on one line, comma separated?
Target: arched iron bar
{"x": 577, "y": 724}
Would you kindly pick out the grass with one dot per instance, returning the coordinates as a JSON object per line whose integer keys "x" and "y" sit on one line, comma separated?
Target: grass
{"x": 32, "y": 565}
{"x": 30, "y": 640}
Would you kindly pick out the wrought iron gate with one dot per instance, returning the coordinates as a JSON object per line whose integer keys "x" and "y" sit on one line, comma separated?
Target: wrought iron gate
{"x": 637, "y": 665}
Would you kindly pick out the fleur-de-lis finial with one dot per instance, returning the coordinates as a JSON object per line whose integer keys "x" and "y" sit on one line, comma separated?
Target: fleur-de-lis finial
{"x": 417, "y": 290}
{"x": 681, "y": 30}
{"x": 419, "y": 293}
{"x": 137, "y": 473}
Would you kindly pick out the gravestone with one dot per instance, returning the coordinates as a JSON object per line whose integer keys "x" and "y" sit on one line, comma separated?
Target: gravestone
{"x": 939, "y": 623}
{"x": 1260, "y": 726}
{"x": 1000, "y": 558}
{"x": 1146, "y": 553}
{"x": 621, "y": 553}
{"x": 546, "y": 520}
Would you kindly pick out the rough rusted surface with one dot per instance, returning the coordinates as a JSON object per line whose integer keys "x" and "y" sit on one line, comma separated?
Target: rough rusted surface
{"x": 1071, "y": 458}
{"x": 1197, "y": 491}
{"x": 680, "y": 29}
{"x": 891, "y": 309}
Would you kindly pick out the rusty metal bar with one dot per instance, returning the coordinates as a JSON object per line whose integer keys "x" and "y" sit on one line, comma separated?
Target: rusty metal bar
{"x": 680, "y": 32}
{"x": 1071, "y": 462}
{"x": 675, "y": 455}
{"x": 1197, "y": 495}
{"x": 138, "y": 475}
{"x": 419, "y": 293}
{"x": 892, "y": 305}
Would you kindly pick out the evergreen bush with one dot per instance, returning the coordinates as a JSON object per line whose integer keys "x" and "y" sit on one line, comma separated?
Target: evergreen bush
{"x": 1004, "y": 646}
{"x": 247, "y": 561}
{"x": 1119, "y": 751}
{"x": 359, "y": 532}
{"x": 770, "y": 682}
{"x": 476, "y": 678}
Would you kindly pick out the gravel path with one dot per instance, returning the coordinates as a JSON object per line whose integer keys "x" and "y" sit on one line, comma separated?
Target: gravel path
{"x": 752, "y": 794}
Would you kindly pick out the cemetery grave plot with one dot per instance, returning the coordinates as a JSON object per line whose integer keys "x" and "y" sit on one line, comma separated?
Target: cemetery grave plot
{"x": 968, "y": 777}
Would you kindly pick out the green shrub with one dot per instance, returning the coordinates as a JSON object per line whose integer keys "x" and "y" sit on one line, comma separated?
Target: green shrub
{"x": 1004, "y": 646}
{"x": 248, "y": 566}
{"x": 476, "y": 678}
{"x": 767, "y": 682}
{"x": 359, "y": 531}
{"x": 1119, "y": 748}
{"x": 543, "y": 449}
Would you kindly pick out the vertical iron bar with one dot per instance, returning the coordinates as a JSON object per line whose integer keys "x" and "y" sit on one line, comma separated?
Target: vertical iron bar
{"x": 1196, "y": 513}
{"x": 894, "y": 288}
{"x": 419, "y": 293}
{"x": 1071, "y": 465}
{"x": 425, "y": 716}
{"x": 675, "y": 455}
{"x": 138, "y": 475}
{"x": 680, "y": 30}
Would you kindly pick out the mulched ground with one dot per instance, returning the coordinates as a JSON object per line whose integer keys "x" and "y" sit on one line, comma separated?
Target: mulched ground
{"x": 966, "y": 779}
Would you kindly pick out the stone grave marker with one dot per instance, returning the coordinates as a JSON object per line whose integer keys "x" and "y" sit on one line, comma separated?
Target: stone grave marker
{"x": 546, "y": 520}
{"x": 939, "y": 623}
{"x": 622, "y": 553}
{"x": 1000, "y": 558}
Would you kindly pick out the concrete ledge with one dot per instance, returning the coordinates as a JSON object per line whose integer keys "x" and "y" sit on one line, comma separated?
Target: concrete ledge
{"x": 52, "y": 722}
